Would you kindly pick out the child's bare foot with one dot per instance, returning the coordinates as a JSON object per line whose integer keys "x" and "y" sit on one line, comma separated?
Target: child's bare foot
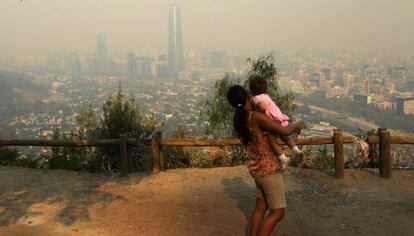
{"x": 283, "y": 161}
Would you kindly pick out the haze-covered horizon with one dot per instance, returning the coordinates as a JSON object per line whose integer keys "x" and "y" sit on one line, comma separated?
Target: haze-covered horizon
{"x": 62, "y": 26}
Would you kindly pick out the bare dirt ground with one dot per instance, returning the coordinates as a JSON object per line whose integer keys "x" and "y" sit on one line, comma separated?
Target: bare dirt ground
{"x": 200, "y": 202}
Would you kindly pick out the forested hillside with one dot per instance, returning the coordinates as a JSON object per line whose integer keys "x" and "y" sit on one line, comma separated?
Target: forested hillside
{"x": 19, "y": 94}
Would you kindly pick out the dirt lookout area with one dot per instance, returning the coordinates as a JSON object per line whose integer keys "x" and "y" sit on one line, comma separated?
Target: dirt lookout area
{"x": 200, "y": 202}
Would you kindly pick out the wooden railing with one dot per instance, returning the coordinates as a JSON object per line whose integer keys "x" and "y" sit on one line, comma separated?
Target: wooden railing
{"x": 338, "y": 139}
{"x": 383, "y": 139}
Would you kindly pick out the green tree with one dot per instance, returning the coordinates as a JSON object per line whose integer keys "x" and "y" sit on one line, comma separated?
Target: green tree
{"x": 217, "y": 111}
{"x": 219, "y": 114}
{"x": 120, "y": 115}
{"x": 12, "y": 157}
{"x": 9, "y": 156}
{"x": 68, "y": 157}
{"x": 264, "y": 66}
{"x": 178, "y": 157}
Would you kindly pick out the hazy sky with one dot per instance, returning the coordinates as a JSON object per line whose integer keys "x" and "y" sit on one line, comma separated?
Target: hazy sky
{"x": 37, "y": 26}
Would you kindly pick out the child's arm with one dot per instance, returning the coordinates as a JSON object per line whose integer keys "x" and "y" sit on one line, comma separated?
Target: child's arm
{"x": 261, "y": 107}
{"x": 274, "y": 127}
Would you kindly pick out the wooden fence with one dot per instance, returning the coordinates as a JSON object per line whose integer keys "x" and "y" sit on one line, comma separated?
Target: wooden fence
{"x": 382, "y": 139}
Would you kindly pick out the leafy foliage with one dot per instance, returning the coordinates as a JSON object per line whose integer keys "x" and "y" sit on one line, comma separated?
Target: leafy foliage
{"x": 325, "y": 159}
{"x": 12, "y": 157}
{"x": 177, "y": 157}
{"x": 317, "y": 157}
{"x": 207, "y": 157}
{"x": 217, "y": 111}
{"x": 68, "y": 157}
{"x": 219, "y": 114}
{"x": 264, "y": 67}
{"x": 120, "y": 115}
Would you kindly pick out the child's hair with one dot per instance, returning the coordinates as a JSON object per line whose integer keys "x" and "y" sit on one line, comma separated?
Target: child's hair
{"x": 237, "y": 97}
{"x": 257, "y": 85}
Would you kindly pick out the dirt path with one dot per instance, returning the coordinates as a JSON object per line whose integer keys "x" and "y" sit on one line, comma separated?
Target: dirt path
{"x": 200, "y": 202}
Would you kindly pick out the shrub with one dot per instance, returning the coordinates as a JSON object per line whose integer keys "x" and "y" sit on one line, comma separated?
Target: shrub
{"x": 120, "y": 115}
{"x": 12, "y": 157}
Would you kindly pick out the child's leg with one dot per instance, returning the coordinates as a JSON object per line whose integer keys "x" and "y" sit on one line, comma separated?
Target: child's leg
{"x": 283, "y": 160}
{"x": 291, "y": 144}
{"x": 298, "y": 153}
{"x": 277, "y": 150}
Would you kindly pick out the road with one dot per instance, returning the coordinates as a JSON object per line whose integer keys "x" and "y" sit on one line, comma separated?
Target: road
{"x": 357, "y": 122}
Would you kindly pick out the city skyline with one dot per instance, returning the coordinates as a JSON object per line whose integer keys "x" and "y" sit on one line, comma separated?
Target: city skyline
{"x": 61, "y": 26}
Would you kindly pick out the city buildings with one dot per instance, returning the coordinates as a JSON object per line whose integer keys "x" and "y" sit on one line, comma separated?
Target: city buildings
{"x": 405, "y": 106}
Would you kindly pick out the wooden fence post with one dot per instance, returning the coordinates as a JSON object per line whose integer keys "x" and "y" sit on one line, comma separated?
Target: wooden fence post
{"x": 385, "y": 154}
{"x": 155, "y": 152}
{"x": 379, "y": 147}
{"x": 372, "y": 155}
{"x": 162, "y": 167}
{"x": 339, "y": 154}
{"x": 123, "y": 146}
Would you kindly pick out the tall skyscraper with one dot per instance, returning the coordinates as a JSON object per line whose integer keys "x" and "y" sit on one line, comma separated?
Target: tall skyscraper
{"x": 102, "y": 54}
{"x": 143, "y": 68}
{"x": 175, "y": 42}
{"x": 102, "y": 46}
{"x": 76, "y": 67}
{"x": 132, "y": 64}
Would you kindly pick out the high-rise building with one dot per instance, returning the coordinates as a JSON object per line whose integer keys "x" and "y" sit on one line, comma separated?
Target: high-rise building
{"x": 143, "y": 67}
{"x": 101, "y": 54}
{"x": 161, "y": 70}
{"x": 348, "y": 81}
{"x": 326, "y": 72}
{"x": 175, "y": 42}
{"x": 132, "y": 64}
{"x": 405, "y": 106}
{"x": 314, "y": 78}
{"x": 93, "y": 66}
{"x": 76, "y": 67}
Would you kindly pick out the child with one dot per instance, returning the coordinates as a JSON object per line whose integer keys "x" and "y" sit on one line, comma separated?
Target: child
{"x": 263, "y": 103}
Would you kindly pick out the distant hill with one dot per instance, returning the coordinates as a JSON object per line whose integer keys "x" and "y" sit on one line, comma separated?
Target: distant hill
{"x": 19, "y": 94}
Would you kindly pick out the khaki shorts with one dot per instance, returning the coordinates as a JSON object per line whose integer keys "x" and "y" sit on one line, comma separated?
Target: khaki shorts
{"x": 271, "y": 188}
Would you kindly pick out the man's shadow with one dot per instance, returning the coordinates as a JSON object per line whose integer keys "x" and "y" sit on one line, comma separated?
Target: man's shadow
{"x": 244, "y": 194}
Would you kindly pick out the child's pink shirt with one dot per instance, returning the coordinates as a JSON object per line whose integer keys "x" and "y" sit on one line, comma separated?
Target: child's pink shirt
{"x": 272, "y": 110}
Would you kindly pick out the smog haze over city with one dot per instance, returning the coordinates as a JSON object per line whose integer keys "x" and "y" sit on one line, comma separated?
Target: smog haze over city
{"x": 61, "y": 26}
{"x": 58, "y": 57}
{"x": 154, "y": 117}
